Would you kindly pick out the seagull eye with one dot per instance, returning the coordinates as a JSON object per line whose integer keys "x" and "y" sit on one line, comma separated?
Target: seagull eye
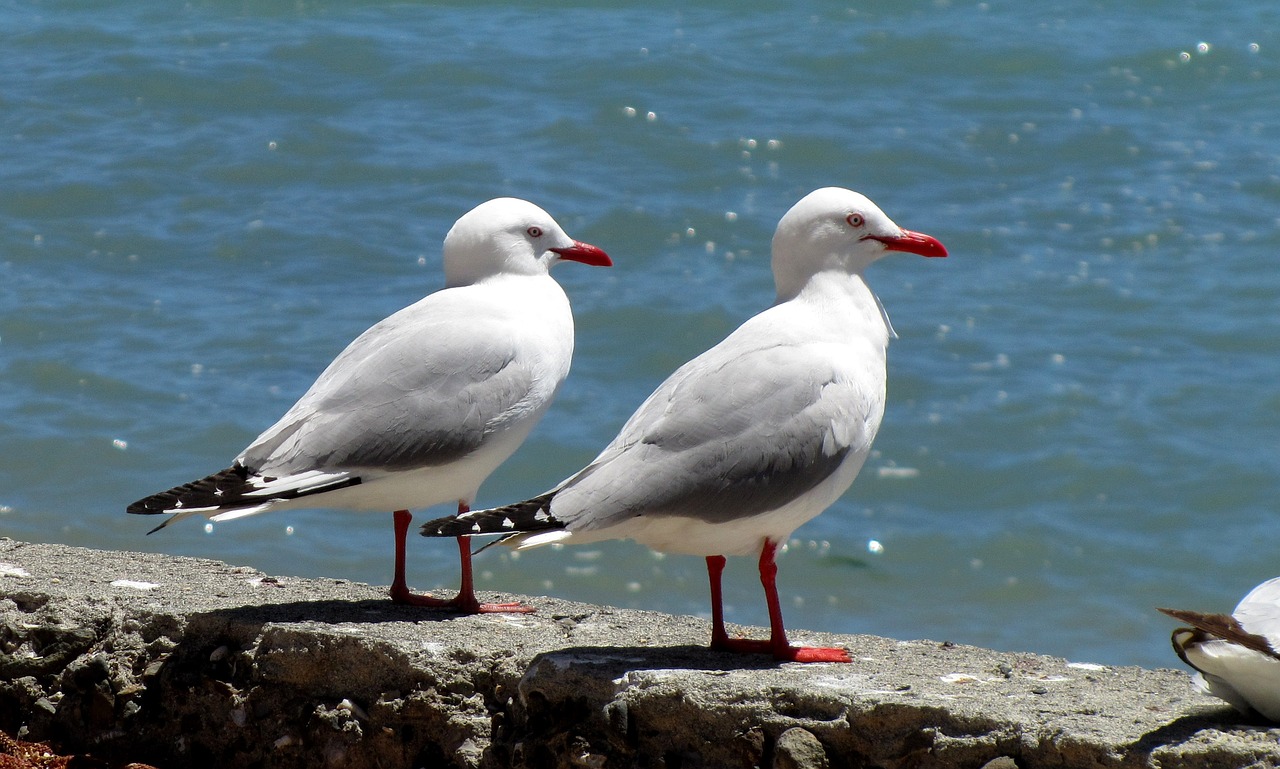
{"x": 534, "y": 232}
{"x": 855, "y": 220}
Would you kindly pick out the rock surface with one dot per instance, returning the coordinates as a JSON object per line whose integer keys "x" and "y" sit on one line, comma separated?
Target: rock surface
{"x": 181, "y": 662}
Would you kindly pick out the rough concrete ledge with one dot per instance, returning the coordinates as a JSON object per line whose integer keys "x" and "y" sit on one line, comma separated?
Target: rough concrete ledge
{"x": 191, "y": 663}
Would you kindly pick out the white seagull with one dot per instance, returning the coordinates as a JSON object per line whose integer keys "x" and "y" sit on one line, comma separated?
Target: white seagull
{"x": 1236, "y": 656}
{"x": 757, "y": 435}
{"x": 423, "y": 406}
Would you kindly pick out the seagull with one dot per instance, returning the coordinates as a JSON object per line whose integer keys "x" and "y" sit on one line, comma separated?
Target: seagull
{"x": 423, "y": 406}
{"x": 747, "y": 441}
{"x": 1236, "y": 656}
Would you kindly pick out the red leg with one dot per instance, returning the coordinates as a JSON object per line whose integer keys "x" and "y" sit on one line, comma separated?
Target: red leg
{"x": 777, "y": 645}
{"x": 783, "y": 650}
{"x": 466, "y": 598}
{"x": 720, "y": 639}
{"x": 465, "y": 602}
{"x": 715, "y": 567}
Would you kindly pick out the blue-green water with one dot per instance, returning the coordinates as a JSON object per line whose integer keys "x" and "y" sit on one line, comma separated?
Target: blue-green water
{"x": 201, "y": 204}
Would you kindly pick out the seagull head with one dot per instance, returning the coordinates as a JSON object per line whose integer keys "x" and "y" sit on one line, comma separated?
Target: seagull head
{"x": 513, "y": 237}
{"x": 837, "y": 229}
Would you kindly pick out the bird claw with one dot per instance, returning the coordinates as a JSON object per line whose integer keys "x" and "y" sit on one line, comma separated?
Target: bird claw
{"x": 784, "y": 652}
{"x": 512, "y": 607}
{"x": 813, "y": 654}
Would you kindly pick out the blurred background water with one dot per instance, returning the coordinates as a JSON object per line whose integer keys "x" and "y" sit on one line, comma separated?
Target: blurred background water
{"x": 202, "y": 203}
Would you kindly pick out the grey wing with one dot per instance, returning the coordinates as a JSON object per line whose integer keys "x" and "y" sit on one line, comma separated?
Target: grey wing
{"x": 407, "y": 393}
{"x": 732, "y": 434}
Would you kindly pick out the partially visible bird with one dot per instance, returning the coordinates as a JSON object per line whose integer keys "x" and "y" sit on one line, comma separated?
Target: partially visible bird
{"x": 1236, "y": 656}
{"x": 423, "y": 406}
{"x": 744, "y": 443}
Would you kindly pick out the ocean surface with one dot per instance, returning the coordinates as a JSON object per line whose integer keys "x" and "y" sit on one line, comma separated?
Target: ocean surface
{"x": 201, "y": 203}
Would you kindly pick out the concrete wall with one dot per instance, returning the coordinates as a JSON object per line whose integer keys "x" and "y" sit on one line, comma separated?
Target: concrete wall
{"x": 190, "y": 663}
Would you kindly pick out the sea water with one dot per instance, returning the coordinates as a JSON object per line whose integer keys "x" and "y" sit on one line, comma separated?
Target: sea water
{"x": 202, "y": 203}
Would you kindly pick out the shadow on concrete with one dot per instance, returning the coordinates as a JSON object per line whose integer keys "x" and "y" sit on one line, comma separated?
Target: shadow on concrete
{"x": 1181, "y": 730}
{"x": 330, "y": 611}
{"x": 616, "y": 661}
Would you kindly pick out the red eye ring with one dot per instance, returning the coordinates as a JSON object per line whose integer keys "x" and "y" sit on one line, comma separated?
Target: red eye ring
{"x": 534, "y": 232}
{"x": 855, "y": 220}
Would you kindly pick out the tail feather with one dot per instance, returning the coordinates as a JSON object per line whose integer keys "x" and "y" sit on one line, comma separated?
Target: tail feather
{"x": 529, "y": 515}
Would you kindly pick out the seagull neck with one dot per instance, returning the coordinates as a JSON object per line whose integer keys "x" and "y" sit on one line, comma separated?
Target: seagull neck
{"x": 831, "y": 286}
{"x": 492, "y": 278}
{"x": 486, "y": 266}
{"x": 846, "y": 302}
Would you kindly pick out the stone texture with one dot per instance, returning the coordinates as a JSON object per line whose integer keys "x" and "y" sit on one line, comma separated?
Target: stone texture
{"x": 182, "y": 662}
{"x": 797, "y": 748}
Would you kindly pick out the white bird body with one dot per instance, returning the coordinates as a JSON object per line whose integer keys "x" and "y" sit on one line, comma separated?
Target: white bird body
{"x": 746, "y": 442}
{"x": 1237, "y": 656}
{"x": 805, "y": 379}
{"x": 422, "y": 407}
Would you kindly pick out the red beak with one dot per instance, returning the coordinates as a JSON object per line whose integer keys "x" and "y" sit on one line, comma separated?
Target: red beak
{"x": 912, "y": 243}
{"x": 585, "y": 253}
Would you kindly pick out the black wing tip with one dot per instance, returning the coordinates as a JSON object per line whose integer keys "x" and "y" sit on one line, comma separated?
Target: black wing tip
{"x": 529, "y": 515}
{"x": 1223, "y": 626}
{"x": 199, "y": 493}
{"x": 1198, "y": 619}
